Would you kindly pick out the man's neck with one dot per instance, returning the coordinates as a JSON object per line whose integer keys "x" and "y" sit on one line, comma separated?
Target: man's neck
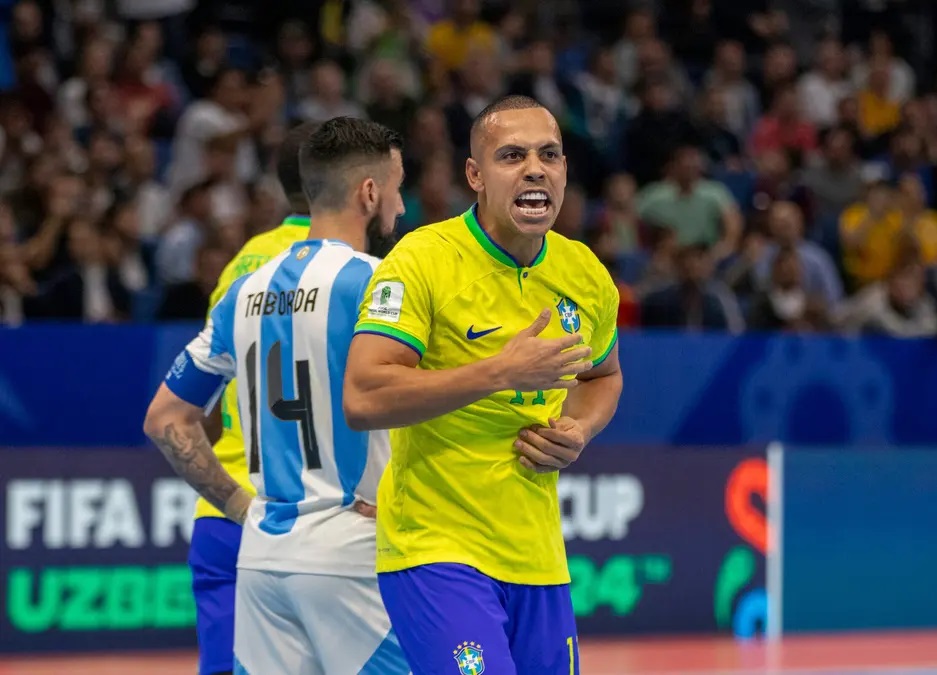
{"x": 340, "y": 226}
{"x": 522, "y": 249}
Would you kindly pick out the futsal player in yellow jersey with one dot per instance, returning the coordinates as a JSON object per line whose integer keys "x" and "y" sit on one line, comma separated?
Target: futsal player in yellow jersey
{"x": 488, "y": 344}
{"x": 215, "y": 539}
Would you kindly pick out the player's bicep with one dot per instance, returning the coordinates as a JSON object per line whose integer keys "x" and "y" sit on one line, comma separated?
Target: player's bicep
{"x": 608, "y": 365}
{"x": 370, "y": 352}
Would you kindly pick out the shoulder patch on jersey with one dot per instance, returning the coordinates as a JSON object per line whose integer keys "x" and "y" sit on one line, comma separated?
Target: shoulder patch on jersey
{"x": 386, "y": 301}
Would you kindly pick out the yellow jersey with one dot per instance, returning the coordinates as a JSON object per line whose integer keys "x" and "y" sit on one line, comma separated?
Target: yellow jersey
{"x": 874, "y": 260}
{"x": 454, "y": 491}
{"x": 230, "y": 447}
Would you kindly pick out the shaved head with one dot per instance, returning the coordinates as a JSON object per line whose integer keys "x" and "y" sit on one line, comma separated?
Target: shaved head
{"x": 512, "y": 102}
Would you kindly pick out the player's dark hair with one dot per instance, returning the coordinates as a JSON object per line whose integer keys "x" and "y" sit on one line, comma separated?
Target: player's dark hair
{"x": 509, "y": 102}
{"x": 340, "y": 151}
{"x": 288, "y": 171}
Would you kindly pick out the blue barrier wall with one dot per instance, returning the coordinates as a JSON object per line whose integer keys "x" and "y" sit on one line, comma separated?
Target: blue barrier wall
{"x": 858, "y": 541}
{"x": 77, "y": 385}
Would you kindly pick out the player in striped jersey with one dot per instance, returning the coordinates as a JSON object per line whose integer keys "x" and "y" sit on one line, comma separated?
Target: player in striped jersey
{"x": 215, "y": 539}
{"x": 307, "y": 595}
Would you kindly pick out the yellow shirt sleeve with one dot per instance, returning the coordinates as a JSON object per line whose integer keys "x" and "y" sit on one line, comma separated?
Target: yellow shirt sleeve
{"x": 605, "y": 334}
{"x": 399, "y": 302}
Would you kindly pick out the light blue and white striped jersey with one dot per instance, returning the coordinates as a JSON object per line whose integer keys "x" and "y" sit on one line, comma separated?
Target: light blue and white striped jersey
{"x": 284, "y": 333}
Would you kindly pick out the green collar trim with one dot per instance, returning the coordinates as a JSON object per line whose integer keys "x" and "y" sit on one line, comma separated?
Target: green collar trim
{"x": 492, "y": 248}
{"x": 300, "y": 221}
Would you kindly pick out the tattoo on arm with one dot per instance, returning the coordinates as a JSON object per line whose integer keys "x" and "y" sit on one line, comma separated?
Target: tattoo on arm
{"x": 189, "y": 452}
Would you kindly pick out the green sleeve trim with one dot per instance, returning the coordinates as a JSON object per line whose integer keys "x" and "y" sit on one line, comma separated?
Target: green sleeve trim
{"x": 608, "y": 350}
{"x": 391, "y": 332}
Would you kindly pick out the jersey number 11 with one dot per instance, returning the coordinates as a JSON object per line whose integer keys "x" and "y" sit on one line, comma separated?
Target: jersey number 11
{"x": 298, "y": 409}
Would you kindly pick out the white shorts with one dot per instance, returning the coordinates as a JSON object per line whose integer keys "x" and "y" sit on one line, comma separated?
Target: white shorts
{"x": 312, "y": 624}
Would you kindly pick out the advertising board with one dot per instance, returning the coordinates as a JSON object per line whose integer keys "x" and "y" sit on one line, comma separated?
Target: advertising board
{"x": 94, "y": 545}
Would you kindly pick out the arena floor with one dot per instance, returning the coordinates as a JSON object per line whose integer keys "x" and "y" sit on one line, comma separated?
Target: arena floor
{"x": 866, "y": 654}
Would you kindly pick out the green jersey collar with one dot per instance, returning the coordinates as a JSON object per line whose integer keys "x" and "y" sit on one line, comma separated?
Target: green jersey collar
{"x": 300, "y": 221}
{"x": 492, "y": 248}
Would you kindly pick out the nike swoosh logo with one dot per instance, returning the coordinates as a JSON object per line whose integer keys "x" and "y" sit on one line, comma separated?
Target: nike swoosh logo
{"x": 472, "y": 335}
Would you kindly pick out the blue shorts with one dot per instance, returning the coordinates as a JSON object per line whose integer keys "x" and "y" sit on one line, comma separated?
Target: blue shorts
{"x": 454, "y": 619}
{"x": 213, "y": 557}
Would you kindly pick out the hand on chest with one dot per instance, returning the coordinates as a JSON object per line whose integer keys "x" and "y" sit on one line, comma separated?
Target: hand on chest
{"x": 478, "y": 320}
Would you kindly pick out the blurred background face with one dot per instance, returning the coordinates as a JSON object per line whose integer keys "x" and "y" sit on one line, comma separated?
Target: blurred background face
{"x": 84, "y": 243}
{"x": 127, "y": 221}
{"x": 714, "y": 105}
{"x": 906, "y": 286}
{"x": 879, "y": 79}
{"x": 830, "y": 59}
{"x": 230, "y": 90}
{"x": 295, "y": 44}
{"x": 694, "y": 265}
{"x": 786, "y": 105}
{"x": 385, "y": 81}
{"x": 687, "y": 166}
{"x": 786, "y": 272}
{"x": 731, "y": 59}
{"x": 839, "y": 147}
{"x": 328, "y": 82}
{"x": 620, "y": 191}
{"x": 785, "y": 223}
{"x": 540, "y": 58}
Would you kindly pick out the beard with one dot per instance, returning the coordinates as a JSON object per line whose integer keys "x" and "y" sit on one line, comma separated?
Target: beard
{"x": 379, "y": 245}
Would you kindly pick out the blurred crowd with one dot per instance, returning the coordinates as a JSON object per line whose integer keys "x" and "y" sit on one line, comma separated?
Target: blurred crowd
{"x": 758, "y": 165}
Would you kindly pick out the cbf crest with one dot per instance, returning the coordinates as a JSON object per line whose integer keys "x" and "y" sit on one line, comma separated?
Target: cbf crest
{"x": 569, "y": 315}
{"x": 469, "y": 657}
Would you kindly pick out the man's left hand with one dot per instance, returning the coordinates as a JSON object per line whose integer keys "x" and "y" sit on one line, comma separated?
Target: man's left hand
{"x": 546, "y": 449}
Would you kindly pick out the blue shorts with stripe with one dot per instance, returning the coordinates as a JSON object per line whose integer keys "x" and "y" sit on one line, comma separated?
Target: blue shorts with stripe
{"x": 213, "y": 555}
{"x": 453, "y": 619}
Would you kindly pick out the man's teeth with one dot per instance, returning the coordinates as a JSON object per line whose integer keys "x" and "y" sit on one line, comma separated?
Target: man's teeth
{"x": 533, "y": 196}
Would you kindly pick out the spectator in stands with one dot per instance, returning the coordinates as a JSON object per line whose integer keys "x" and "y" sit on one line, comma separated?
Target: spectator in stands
{"x": 140, "y": 184}
{"x": 88, "y": 289}
{"x": 537, "y": 79}
{"x": 658, "y": 268}
{"x": 822, "y": 88}
{"x": 95, "y": 68}
{"x": 879, "y": 112}
{"x": 618, "y": 215}
{"x": 693, "y": 31}
{"x": 451, "y": 40}
{"x": 125, "y": 252}
{"x": 655, "y": 62}
{"x": 700, "y": 211}
{"x": 835, "y": 178}
{"x": 480, "y": 82}
{"x": 388, "y": 102}
{"x": 778, "y": 72}
{"x": 295, "y": 49}
{"x": 175, "y": 257}
{"x": 817, "y": 273}
{"x": 16, "y": 286}
{"x": 786, "y": 303}
{"x": 202, "y": 67}
{"x": 721, "y": 146}
{"x": 898, "y": 74}
{"x": 656, "y": 132}
{"x": 898, "y": 306}
{"x": 876, "y": 233}
{"x": 229, "y": 198}
{"x": 223, "y": 112}
{"x": 694, "y": 301}
{"x": 640, "y": 26}
{"x": 602, "y": 103}
{"x": 428, "y": 137}
{"x": 435, "y": 197}
{"x": 741, "y": 97}
{"x": 783, "y": 128}
{"x": 327, "y": 97}
{"x": 188, "y": 300}
{"x": 775, "y": 181}
{"x": 905, "y": 155}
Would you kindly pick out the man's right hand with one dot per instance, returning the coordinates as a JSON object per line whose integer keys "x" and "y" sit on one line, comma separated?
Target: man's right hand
{"x": 531, "y": 363}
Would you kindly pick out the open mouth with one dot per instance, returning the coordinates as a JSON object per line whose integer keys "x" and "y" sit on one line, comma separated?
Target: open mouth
{"x": 533, "y": 203}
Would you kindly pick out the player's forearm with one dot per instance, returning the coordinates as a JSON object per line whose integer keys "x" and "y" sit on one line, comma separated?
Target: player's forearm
{"x": 594, "y": 402}
{"x": 184, "y": 444}
{"x": 391, "y": 396}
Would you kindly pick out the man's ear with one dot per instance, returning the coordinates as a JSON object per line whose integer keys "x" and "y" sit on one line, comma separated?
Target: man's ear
{"x": 369, "y": 196}
{"x": 473, "y": 175}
